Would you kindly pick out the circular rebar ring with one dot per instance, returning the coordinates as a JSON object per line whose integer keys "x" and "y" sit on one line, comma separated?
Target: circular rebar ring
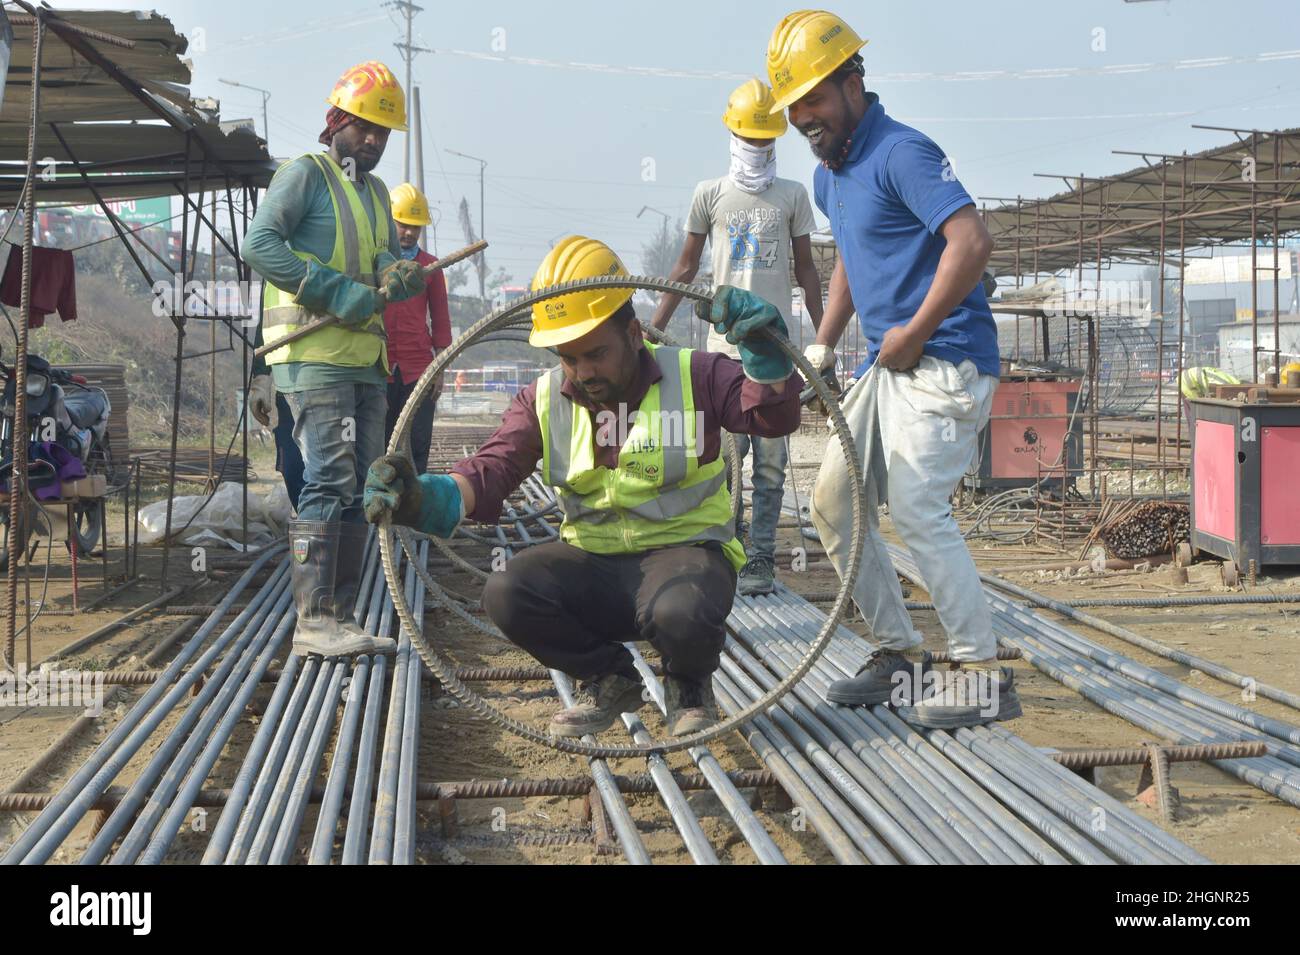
{"x": 516, "y": 312}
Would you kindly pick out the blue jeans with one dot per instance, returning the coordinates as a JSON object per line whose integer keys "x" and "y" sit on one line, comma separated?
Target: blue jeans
{"x": 769, "y": 490}
{"x": 340, "y": 431}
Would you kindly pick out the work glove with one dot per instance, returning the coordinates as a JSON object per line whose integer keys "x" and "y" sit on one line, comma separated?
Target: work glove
{"x": 261, "y": 401}
{"x": 822, "y": 358}
{"x": 430, "y": 503}
{"x": 740, "y": 316}
{"x": 402, "y": 279}
{"x": 333, "y": 293}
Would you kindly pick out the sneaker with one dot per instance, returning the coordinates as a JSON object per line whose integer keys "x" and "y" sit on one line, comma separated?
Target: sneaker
{"x": 597, "y": 704}
{"x": 758, "y": 576}
{"x": 966, "y": 696}
{"x": 691, "y": 706}
{"x": 884, "y": 672}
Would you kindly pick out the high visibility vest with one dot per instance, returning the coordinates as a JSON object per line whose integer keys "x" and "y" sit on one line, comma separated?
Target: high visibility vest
{"x": 1199, "y": 381}
{"x": 355, "y": 247}
{"x": 659, "y": 495}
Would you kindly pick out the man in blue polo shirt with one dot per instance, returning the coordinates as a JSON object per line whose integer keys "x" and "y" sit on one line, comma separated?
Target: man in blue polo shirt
{"x": 912, "y": 250}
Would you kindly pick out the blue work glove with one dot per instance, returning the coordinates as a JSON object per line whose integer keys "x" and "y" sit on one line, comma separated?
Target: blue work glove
{"x": 333, "y": 293}
{"x": 739, "y": 316}
{"x": 430, "y": 503}
{"x": 400, "y": 279}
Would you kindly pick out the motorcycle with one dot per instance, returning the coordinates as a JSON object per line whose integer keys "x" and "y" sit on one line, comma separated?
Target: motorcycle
{"x": 66, "y": 420}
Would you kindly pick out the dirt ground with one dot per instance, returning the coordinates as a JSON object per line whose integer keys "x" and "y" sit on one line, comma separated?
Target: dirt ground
{"x": 1227, "y": 820}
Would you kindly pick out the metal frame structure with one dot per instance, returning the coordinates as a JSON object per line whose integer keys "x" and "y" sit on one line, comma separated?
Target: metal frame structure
{"x": 148, "y": 138}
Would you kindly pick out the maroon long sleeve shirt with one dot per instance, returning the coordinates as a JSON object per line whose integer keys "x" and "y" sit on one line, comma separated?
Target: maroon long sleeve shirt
{"x": 725, "y": 398}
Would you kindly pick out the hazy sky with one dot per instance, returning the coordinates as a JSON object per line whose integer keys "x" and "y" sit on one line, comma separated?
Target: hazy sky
{"x": 574, "y": 104}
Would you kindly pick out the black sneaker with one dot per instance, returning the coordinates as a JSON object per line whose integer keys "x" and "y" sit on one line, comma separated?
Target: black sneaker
{"x": 966, "y": 697}
{"x": 691, "y": 706}
{"x": 758, "y": 576}
{"x": 597, "y": 704}
{"x": 877, "y": 680}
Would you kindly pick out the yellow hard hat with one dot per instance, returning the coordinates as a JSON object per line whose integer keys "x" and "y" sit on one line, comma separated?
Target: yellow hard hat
{"x": 409, "y": 205}
{"x": 370, "y": 91}
{"x": 750, "y": 112}
{"x": 568, "y": 317}
{"x": 806, "y": 47}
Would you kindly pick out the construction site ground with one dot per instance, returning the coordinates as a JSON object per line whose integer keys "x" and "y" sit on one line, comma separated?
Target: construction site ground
{"x": 1223, "y": 818}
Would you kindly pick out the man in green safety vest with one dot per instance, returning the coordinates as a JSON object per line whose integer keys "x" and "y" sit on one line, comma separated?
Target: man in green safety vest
{"x": 325, "y": 244}
{"x": 629, "y": 436}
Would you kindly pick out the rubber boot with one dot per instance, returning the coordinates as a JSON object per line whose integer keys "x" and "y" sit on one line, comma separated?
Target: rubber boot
{"x": 347, "y": 579}
{"x": 314, "y": 551}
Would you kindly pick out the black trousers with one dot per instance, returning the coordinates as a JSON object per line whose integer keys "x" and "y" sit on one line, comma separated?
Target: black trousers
{"x": 573, "y": 610}
{"x": 421, "y": 427}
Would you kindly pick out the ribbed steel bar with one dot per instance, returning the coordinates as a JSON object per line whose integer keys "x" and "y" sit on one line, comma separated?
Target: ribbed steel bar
{"x": 900, "y": 767}
{"x": 1209, "y": 667}
{"x": 216, "y": 741}
{"x": 1027, "y": 807}
{"x": 765, "y": 849}
{"x": 385, "y": 812}
{"x": 151, "y": 791}
{"x": 1136, "y": 755}
{"x": 47, "y": 832}
{"x": 796, "y": 618}
{"x": 224, "y": 831}
{"x": 268, "y": 769}
{"x": 935, "y": 805}
{"x": 324, "y": 694}
{"x": 634, "y": 850}
{"x": 295, "y": 805}
{"x": 404, "y": 830}
{"x": 825, "y": 797}
{"x": 907, "y": 829}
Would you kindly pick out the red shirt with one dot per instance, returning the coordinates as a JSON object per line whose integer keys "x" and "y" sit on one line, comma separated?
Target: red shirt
{"x": 723, "y": 395}
{"x": 411, "y": 344}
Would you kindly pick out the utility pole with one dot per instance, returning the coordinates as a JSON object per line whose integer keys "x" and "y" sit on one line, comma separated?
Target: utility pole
{"x": 482, "y": 165}
{"x": 409, "y": 10}
{"x": 266, "y": 95}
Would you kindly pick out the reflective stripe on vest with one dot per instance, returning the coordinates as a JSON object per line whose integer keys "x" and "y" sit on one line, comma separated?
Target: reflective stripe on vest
{"x": 659, "y": 494}
{"x": 353, "y": 254}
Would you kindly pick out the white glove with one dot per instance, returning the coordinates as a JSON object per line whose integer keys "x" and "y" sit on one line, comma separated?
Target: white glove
{"x": 261, "y": 401}
{"x": 820, "y": 357}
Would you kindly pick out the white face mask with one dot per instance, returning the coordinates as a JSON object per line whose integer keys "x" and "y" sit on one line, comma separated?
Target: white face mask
{"x": 752, "y": 167}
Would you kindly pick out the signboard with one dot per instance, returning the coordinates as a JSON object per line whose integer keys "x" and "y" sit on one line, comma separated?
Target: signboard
{"x": 134, "y": 212}
{"x": 1236, "y": 268}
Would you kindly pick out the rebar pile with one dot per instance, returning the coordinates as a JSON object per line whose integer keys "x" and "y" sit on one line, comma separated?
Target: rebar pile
{"x": 1146, "y": 529}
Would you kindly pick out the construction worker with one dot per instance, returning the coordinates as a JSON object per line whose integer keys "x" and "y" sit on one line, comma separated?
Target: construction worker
{"x": 418, "y": 328}
{"x": 325, "y": 244}
{"x": 912, "y": 250}
{"x": 629, "y": 435}
{"x": 754, "y": 221}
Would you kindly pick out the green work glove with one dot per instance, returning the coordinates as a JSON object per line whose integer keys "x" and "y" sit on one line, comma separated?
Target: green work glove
{"x": 333, "y": 293}
{"x": 430, "y": 503}
{"x": 401, "y": 279}
{"x": 740, "y": 316}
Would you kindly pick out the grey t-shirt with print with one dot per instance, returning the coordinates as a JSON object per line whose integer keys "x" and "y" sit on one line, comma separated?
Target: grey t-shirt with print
{"x": 751, "y": 237}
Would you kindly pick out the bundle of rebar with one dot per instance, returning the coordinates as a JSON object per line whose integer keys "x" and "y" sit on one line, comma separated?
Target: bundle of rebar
{"x": 1145, "y": 529}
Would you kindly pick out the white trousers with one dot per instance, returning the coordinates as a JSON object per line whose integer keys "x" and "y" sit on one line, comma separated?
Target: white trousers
{"x": 916, "y": 434}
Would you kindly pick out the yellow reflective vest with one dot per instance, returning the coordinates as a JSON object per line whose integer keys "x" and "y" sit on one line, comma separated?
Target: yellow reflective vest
{"x": 355, "y": 247}
{"x": 659, "y": 495}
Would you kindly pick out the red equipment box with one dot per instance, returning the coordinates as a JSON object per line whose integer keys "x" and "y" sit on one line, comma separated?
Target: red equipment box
{"x": 1032, "y": 433}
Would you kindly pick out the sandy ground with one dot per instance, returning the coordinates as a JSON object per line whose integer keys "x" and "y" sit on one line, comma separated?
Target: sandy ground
{"x": 1223, "y": 818}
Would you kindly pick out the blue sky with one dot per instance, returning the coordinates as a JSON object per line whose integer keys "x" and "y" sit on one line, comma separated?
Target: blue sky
{"x": 1008, "y": 89}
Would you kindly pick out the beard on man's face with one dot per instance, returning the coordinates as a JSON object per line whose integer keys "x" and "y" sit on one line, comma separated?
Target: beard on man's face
{"x": 826, "y": 136}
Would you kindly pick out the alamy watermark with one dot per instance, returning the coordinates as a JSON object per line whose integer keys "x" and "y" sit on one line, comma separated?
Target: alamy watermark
{"x": 83, "y": 689}
{"x": 221, "y": 297}
{"x": 645, "y": 431}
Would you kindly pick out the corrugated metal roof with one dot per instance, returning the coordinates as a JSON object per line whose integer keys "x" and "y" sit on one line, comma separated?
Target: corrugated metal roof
{"x": 107, "y": 126}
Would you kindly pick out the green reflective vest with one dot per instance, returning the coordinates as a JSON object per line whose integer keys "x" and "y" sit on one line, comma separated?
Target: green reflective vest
{"x": 659, "y": 495}
{"x": 1199, "y": 381}
{"x": 355, "y": 246}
